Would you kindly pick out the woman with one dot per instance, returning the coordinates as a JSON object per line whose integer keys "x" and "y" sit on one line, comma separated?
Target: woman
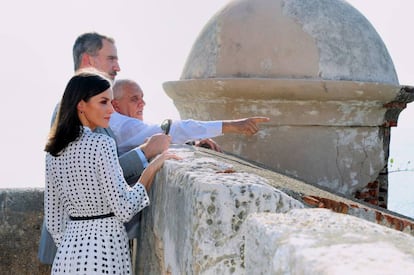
{"x": 86, "y": 197}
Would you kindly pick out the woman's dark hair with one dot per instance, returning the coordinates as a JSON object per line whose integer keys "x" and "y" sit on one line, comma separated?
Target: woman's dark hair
{"x": 67, "y": 126}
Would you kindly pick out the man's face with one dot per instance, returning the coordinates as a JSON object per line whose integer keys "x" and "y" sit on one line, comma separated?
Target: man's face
{"x": 106, "y": 60}
{"x": 131, "y": 103}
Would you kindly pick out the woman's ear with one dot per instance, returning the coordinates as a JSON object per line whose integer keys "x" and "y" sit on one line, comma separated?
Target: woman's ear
{"x": 81, "y": 106}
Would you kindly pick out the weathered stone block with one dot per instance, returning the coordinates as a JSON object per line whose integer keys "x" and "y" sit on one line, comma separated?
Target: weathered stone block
{"x": 319, "y": 241}
{"x": 198, "y": 207}
{"x": 21, "y": 214}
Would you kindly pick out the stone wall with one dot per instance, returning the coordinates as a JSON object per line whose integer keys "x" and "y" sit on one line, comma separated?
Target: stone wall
{"x": 21, "y": 214}
{"x": 217, "y": 214}
{"x": 318, "y": 241}
{"x": 198, "y": 208}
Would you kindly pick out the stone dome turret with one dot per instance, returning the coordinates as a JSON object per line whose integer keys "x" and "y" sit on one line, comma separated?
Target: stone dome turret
{"x": 290, "y": 39}
{"x": 317, "y": 69}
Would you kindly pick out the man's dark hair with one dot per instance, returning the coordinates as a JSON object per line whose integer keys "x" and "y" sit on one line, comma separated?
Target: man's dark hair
{"x": 89, "y": 43}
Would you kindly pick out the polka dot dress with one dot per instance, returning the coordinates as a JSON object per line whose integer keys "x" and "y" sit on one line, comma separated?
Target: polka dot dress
{"x": 86, "y": 180}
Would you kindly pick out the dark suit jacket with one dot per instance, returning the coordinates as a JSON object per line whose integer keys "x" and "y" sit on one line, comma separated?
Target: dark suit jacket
{"x": 130, "y": 162}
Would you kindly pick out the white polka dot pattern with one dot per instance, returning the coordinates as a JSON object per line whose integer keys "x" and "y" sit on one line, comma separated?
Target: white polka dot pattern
{"x": 86, "y": 180}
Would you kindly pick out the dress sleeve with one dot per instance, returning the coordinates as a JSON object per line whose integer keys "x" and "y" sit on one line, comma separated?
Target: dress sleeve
{"x": 132, "y": 166}
{"x": 125, "y": 201}
{"x": 55, "y": 215}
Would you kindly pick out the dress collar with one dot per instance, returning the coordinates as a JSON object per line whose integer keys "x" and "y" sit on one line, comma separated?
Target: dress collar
{"x": 86, "y": 128}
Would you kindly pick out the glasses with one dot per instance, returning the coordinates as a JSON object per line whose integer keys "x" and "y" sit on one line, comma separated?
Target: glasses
{"x": 166, "y": 125}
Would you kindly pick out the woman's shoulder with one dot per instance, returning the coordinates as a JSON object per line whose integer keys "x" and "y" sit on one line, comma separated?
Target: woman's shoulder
{"x": 99, "y": 138}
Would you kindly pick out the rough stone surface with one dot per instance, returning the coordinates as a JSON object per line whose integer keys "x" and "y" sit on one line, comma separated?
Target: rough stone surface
{"x": 194, "y": 224}
{"x": 198, "y": 207}
{"x": 288, "y": 101}
{"x": 21, "y": 216}
{"x": 319, "y": 133}
{"x": 352, "y": 155}
{"x": 318, "y": 241}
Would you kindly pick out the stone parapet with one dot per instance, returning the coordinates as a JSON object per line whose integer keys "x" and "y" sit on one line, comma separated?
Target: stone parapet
{"x": 200, "y": 210}
{"x": 21, "y": 215}
{"x": 318, "y": 241}
{"x": 198, "y": 207}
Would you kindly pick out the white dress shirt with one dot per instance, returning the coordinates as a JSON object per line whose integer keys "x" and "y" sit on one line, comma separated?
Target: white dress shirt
{"x": 131, "y": 132}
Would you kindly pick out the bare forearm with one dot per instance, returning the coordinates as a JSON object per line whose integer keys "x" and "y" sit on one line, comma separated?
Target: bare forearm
{"x": 147, "y": 177}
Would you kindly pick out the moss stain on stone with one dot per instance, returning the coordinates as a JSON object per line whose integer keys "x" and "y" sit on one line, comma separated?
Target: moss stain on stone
{"x": 211, "y": 209}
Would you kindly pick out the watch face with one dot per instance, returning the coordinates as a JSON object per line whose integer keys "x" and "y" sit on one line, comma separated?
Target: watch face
{"x": 166, "y": 125}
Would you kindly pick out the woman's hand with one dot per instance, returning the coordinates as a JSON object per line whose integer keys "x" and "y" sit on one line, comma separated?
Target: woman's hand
{"x": 154, "y": 166}
{"x": 158, "y": 161}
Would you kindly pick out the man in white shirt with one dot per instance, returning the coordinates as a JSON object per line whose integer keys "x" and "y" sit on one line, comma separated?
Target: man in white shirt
{"x": 130, "y": 130}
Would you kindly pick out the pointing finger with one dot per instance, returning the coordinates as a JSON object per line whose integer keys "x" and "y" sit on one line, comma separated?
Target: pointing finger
{"x": 260, "y": 119}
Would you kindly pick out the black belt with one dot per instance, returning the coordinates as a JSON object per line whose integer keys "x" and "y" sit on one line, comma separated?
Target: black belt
{"x": 91, "y": 217}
